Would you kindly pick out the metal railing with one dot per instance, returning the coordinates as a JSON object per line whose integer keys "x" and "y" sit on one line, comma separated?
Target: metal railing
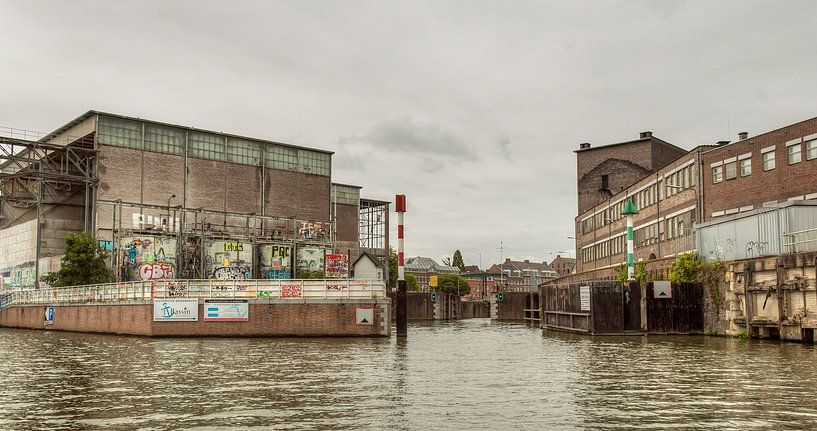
{"x": 200, "y": 289}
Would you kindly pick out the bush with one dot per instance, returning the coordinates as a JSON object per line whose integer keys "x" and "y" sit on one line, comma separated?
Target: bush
{"x": 640, "y": 272}
{"x": 412, "y": 285}
{"x": 83, "y": 263}
{"x": 448, "y": 283}
{"x": 685, "y": 268}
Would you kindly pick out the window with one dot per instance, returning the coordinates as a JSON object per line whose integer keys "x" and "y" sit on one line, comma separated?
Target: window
{"x": 768, "y": 161}
{"x": 282, "y": 158}
{"x": 717, "y": 174}
{"x": 731, "y": 170}
{"x": 164, "y": 139}
{"x": 605, "y": 183}
{"x": 313, "y": 162}
{"x": 811, "y": 149}
{"x": 120, "y": 132}
{"x": 745, "y": 167}
{"x": 205, "y": 146}
{"x": 794, "y": 153}
{"x": 244, "y": 152}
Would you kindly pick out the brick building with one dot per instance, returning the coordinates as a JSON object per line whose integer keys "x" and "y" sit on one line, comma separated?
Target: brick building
{"x": 171, "y": 201}
{"x": 706, "y": 182}
{"x": 563, "y": 265}
{"x": 424, "y": 267}
{"x": 521, "y": 276}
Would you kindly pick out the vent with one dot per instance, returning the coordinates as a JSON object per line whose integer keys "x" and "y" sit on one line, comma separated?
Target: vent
{"x": 584, "y": 145}
{"x": 645, "y": 134}
{"x": 743, "y": 135}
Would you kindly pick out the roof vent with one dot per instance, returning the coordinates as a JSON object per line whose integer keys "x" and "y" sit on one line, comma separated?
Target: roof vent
{"x": 646, "y": 134}
{"x": 584, "y": 145}
{"x": 743, "y": 135}
{"x": 721, "y": 143}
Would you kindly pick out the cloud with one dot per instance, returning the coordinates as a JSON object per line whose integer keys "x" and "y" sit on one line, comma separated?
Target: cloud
{"x": 504, "y": 146}
{"x": 407, "y": 136}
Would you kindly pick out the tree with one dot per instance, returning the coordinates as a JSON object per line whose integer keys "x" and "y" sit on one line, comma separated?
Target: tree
{"x": 685, "y": 268}
{"x": 448, "y": 283}
{"x": 639, "y": 273}
{"x": 411, "y": 283}
{"x": 392, "y": 268}
{"x": 83, "y": 263}
{"x": 457, "y": 261}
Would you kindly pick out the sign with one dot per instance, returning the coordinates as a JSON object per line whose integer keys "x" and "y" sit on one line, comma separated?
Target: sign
{"x": 291, "y": 291}
{"x": 233, "y": 246}
{"x": 364, "y": 316}
{"x": 175, "y": 310}
{"x": 662, "y": 290}
{"x": 584, "y": 297}
{"x": 433, "y": 281}
{"x": 500, "y": 296}
{"x": 49, "y": 315}
{"x": 225, "y": 310}
{"x": 337, "y": 265}
{"x": 433, "y": 296}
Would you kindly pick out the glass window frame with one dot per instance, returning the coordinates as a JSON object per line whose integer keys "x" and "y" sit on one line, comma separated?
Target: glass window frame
{"x": 794, "y": 154}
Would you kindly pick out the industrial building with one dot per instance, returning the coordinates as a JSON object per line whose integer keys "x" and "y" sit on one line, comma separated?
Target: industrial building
{"x": 673, "y": 196}
{"x": 169, "y": 201}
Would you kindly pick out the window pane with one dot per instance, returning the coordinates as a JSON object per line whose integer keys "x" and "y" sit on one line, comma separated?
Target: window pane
{"x": 717, "y": 174}
{"x": 164, "y": 139}
{"x": 282, "y": 158}
{"x": 811, "y": 149}
{"x": 794, "y": 154}
{"x": 768, "y": 161}
{"x": 244, "y": 152}
{"x": 120, "y": 132}
{"x": 745, "y": 167}
{"x": 731, "y": 170}
{"x": 206, "y": 146}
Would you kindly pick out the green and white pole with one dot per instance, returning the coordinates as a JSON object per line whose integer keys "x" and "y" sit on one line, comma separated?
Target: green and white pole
{"x": 629, "y": 211}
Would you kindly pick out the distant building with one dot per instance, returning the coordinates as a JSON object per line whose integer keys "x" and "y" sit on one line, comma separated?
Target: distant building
{"x": 424, "y": 267}
{"x": 368, "y": 267}
{"x": 469, "y": 269}
{"x": 563, "y": 265}
{"x": 521, "y": 275}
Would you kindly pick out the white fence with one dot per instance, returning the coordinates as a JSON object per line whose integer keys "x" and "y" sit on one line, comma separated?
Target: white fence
{"x": 204, "y": 289}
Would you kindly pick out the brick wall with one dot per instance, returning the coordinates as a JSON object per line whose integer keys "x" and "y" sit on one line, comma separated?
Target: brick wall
{"x": 776, "y": 185}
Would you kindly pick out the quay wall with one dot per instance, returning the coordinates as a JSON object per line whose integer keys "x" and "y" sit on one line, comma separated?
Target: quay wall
{"x": 267, "y": 318}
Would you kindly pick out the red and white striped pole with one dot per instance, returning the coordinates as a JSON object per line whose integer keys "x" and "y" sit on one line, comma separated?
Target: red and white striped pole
{"x": 402, "y": 315}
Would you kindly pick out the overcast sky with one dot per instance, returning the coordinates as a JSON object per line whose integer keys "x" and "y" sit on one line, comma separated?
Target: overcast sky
{"x": 472, "y": 109}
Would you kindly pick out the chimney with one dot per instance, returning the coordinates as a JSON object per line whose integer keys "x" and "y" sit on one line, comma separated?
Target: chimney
{"x": 645, "y": 134}
{"x": 527, "y": 261}
{"x": 721, "y": 143}
{"x": 743, "y": 135}
{"x": 584, "y": 145}
{"x": 507, "y": 259}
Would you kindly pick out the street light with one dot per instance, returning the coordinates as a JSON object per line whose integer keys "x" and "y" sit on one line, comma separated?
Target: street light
{"x": 168, "y": 202}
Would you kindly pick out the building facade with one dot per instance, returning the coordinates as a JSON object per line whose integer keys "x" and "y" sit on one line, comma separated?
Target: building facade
{"x": 521, "y": 276}
{"x": 424, "y": 267}
{"x": 171, "y": 201}
{"x": 563, "y": 265}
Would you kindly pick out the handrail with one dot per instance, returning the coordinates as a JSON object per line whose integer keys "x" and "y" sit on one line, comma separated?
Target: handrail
{"x": 201, "y": 289}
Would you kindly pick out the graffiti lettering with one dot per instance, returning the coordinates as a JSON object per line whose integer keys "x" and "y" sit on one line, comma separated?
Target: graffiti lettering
{"x": 310, "y": 230}
{"x": 230, "y": 273}
{"x": 290, "y": 290}
{"x": 336, "y": 286}
{"x": 155, "y": 271}
{"x": 176, "y": 290}
{"x": 756, "y": 248}
{"x": 233, "y": 246}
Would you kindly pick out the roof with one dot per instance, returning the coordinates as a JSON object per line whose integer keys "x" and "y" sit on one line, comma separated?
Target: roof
{"x": 634, "y": 141}
{"x": 427, "y": 264}
{"x": 371, "y": 257}
{"x": 94, "y": 112}
{"x": 347, "y": 185}
{"x": 472, "y": 268}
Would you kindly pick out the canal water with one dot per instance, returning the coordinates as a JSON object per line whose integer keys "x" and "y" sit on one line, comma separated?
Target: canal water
{"x": 471, "y": 374}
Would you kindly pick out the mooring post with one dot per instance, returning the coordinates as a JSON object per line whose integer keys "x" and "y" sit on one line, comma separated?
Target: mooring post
{"x": 402, "y": 325}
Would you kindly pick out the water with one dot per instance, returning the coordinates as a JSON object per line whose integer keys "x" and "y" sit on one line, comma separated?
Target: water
{"x": 465, "y": 375}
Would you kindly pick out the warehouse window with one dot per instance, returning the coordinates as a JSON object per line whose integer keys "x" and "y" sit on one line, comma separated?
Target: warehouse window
{"x": 281, "y": 158}
{"x": 794, "y": 154}
{"x": 345, "y": 195}
{"x": 768, "y": 161}
{"x": 206, "y": 146}
{"x": 745, "y": 167}
{"x": 244, "y": 152}
{"x": 312, "y": 162}
{"x": 120, "y": 132}
{"x": 717, "y": 174}
{"x": 731, "y": 170}
{"x": 164, "y": 139}
{"x": 811, "y": 149}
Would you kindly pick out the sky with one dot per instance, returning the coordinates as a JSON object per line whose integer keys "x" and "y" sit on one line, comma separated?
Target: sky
{"x": 472, "y": 109}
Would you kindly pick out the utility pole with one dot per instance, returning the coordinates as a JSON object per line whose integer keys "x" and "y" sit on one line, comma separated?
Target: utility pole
{"x": 630, "y": 210}
{"x": 501, "y": 264}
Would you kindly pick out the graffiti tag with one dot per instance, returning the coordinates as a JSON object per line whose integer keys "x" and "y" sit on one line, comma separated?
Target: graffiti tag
{"x": 155, "y": 271}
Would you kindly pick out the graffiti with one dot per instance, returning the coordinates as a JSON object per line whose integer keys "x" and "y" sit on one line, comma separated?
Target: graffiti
{"x": 233, "y": 246}
{"x": 19, "y": 277}
{"x": 235, "y": 264}
{"x": 231, "y": 273}
{"x": 291, "y": 290}
{"x": 756, "y": 248}
{"x": 275, "y": 261}
{"x": 106, "y": 245}
{"x": 310, "y": 262}
{"x": 337, "y": 266}
{"x": 154, "y": 255}
{"x": 336, "y": 287}
{"x": 312, "y": 231}
{"x": 155, "y": 271}
{"x": 176, "y": 289}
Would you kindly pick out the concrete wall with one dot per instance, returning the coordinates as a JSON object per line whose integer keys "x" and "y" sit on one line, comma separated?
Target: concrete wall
{"x": 267, "y": 318}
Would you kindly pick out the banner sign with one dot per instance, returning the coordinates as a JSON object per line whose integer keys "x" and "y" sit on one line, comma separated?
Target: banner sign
{"x": 337, "y": 265}
{"x": 175, "y": 310}
{"x": 225, "y": 310}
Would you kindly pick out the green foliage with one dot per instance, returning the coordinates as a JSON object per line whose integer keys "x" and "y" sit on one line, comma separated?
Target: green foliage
{"x": 457, "y": 261}
{"x": 685, "y": 268}
{"x": 640, "y": 272}
{"x": 448, "y": 283}
{"x": 308, "y": 274}
{"x": 83, "y": 263}
{"x": 392, "y": 268}
{"x": 412, "y": 285}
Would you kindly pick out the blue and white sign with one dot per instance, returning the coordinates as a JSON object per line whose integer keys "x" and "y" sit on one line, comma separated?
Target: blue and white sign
{"x": 227, "y": 310}
{"x": 49, "y": 315}
{"x": 175, "y": 310}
